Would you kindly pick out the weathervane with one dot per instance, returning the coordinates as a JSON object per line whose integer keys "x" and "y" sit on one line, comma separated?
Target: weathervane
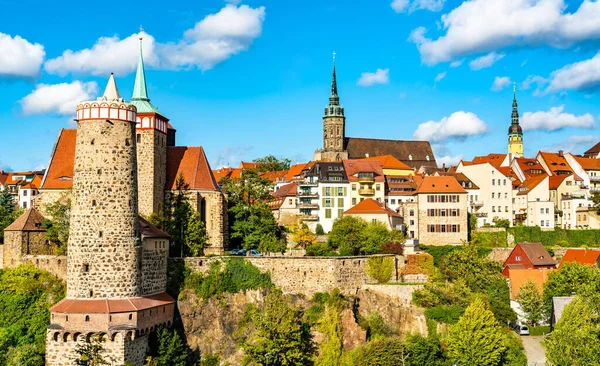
{"x": 141, "y": 30}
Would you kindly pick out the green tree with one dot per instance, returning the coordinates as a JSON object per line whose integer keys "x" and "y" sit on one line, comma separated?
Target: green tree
{"x": 280, "y": 334}
{"x": 331, "y": 348}
{"x": 472, "y": 221}
{"x": 90, "y": 353}
{"x": 270, "y": 163}
{"x": 177, "y": 215}
{"x": 531, "y": 302}
{"x": 171, "y": 349}
{"x": 57, "y": 222}
{"x": 498, "y": 222}
{"x": 319, "y": 230}
{"x": 476, "y": 339}
{"x": 8, "y": 211}
{"x": 423, "y": 351}
{"x": 596, "y": 201}
{"x": 347, "y": 235}
{"x": 515, "y": 353}
{"x": 382, "y": 351}
{"x": 195, "y": 235}
{"x": 574, "y": 340}
{"x": 303, "y": 237}
{"x": 375, "y": 234}
{"x": 572, "y": 278}
{"x": 380, "y": 269}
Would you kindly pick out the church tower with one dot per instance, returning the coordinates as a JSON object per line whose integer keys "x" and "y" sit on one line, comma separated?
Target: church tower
{"x": 334, "y": 126}
{"x": 109, "y": 293}
{"x": 515, "y": 133}
{"x": 151, "y": 138}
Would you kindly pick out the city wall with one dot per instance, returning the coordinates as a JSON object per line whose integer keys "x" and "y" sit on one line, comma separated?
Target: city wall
{"x": 54, "y": 264}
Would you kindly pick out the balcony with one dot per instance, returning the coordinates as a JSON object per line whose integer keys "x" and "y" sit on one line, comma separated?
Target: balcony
{"x": 594, "y": 189}
{"x": 308, "y": 206}
{"x": 309, "y": 217}
{"x": 594, "y": 178}
{"x": 366, "y": 191}
{"x": 307, "y": 184}
{"x": 307, "y": 194}
{"x": 366, "y": 179}
{"x": 476, "y": 203}
{"x": 480, "y": 214}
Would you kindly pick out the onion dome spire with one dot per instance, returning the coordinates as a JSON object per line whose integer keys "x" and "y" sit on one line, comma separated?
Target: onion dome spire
{"x": 515, "y": 128}
{"x": 140, "y": 92}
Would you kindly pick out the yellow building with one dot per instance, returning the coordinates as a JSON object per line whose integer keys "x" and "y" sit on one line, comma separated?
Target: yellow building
{"x": 366, "y": 180}
{"x": 515, "y": 133}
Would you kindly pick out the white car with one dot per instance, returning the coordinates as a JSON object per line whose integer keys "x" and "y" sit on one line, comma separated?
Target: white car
{"x": 522, "y": 329}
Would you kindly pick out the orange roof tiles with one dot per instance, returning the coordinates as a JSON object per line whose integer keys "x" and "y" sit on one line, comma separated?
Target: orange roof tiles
{"x": 287, "y": 190}
{"x": 192, "y": 163}
{"x": 60, "y": 172}
{"x": 556, "y": 180}
{"x": 221, "y": 173}
{"x": 494, "y": 159}
{"x": 519, "y": 276}
{"x": 353, "y": 167}
{"x": 588, "y": 163}
{"x": 531, "y": 183}
{"x": 275, "y": 176}
{"x": 370, "y": 206}
{"x": 582, "y": 256}
{"x": 556, "y": 162}
{"x": 248, "y": 165}
{"x": 594, "y": 150}
{"x": 96, "y": 306}
{"x": 389, "y": 162}
{"x": 35, "y": 183}
{"x": 440, "y": 184}
{"x": 295, "y": 171}
{"x": 530, "y": 167}
{"x": 31, "y": 220}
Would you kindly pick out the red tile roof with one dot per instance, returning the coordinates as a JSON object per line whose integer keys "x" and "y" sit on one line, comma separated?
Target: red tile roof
{"x": 440, "y": 184}
{"x": 31, "y": 220}
{"x": 287, "y": 190}
{"x": 370, "y": 206}
{"x": 494, "y": 159}
{"x": 221, "y": 173}
{"x": 150, "y": 231}
{"x": 95, "y": 306}
{"x": 3, "y": 177}
{"x": 556, "y": 162}
{"x": 275, "y": 176}
{"x": 60, "y": 172}
{"x": 582, "y": 256}
{"x": 35, "y": 183}
{"x": 527, "y": 165}
{"x": 295, "y": 171}
{"x": 556, "y": 180}
{"x": 192, "y": 163}
{"x": 588, "y": 163}
{"x": 353, "y": 167}
{"x": 248, "y": 165}
{"x": 594, "y": 150}
{"x": 389, "y": 162}
{"x": 531, "y": 183}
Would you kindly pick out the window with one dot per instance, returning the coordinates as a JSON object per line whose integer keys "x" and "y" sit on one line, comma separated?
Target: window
{"x": 412, "y": 222}
{"x": 327, "y": 191}
{"x": 493, "y": 182}
{"x": 518, "y": 258}
{"x": 86, "y": 268}
{"x": 542, "y": 223}
{"x": 87, "y": 318}
{"x": 547, "y": 210}
{"x": 328, "y": 213}
{"x": 504, "y": 182}
{"x": 498, "y": 181}
{"x": 505, "y": 195}
{"x": 493, "y": 195}
{"x": 505, "y": 208}
{"x": 377, "y": 187}
{"x": 138, "y": 138}
{"x": 354, "y": 187}
{"x": 24, "y": 204}
{"x": 353, "y": 201}
{"x": 542, "y": 210}
{"x": 493, "y": 208}
{"x": 340, "y": 191}
{"x": 328, "y": 202}
{"x": 411, "y": 213}
{"x": 290, "y": 201}
{"x": 547, "y": 223}
{"x": 393, "y": 201}
{"x": 25, "y": 193}
{"x": 499, "y": 208}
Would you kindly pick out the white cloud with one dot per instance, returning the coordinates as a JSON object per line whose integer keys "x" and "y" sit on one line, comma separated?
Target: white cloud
{"x": 401, "y": 6}
{"x": 536, "y": 80}
{"x": 449, "y": 160}
{"x": 381, "y": 76}
{"x": 500, "y": 82}
{"x": 19, "y": 58}
{"x": 440, "y": 76}
{"x": 458, "y": 126}
{"x": 481, "y": 26}
{"x": 230, "y": 156}
{"x": 58, "y": 98}
{"x": 574, "y": 144}
{"x": 485, "y": 61}
{"x": 212, "y": 40}
{"x": 583, "y": 75}
{"x": 555, "y": 119}
{"x": 456, "y": 63}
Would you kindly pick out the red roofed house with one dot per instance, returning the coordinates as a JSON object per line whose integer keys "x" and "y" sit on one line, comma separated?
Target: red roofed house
{"x": 528, "y": 256}
{"x": 533, "y": 206}
{"x": 593, "y": 152}
{"x": 582, "y": 256}
{"x": 285, "y": 204}
{"x": 159, "y": 163}
{"x": 24, "y": 236}
{"x": 366, "y": 179}
{"x": 588, "y": 169}
{"x": 371, "y": 210}
{"x": 440, "y": 211}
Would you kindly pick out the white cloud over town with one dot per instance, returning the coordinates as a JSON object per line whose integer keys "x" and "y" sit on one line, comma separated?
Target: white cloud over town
{"x": 214, "y": 39}
{"x": 408, "y": 6}
{"x": 58, "y": 98}
{"x": 459, "y": 125}
{"x": 440, "y": 77}
{"x": 485, "y": 61}
{"x": 575, "y": 144}
{"x": 19, "y": 58}
{"x": 483, "y": 26}
{"x": 555, "y": 119}
{"x": 583, "y": 75}
{"x": 501, "y": 82}
{"x": 381, "y": 76}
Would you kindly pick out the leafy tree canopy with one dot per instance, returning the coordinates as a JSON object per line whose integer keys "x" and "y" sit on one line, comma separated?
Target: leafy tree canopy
{"x": 270, "y": 163}
{"x": 572, "y": 278}
{"x": 531, "y": 302}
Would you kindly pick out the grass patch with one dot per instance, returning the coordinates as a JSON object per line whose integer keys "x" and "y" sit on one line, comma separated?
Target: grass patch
{"x": 540, "y": 330}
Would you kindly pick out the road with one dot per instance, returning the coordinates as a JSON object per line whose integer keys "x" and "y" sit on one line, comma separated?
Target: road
{"x": 534, "y": 350}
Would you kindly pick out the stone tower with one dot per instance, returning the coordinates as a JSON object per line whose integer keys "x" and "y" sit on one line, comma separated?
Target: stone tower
{"x": 334, "y": 127}
{"x": 151, "y": 138}
{"x": 106, "y": 294}
{"x": 515, "y": 133}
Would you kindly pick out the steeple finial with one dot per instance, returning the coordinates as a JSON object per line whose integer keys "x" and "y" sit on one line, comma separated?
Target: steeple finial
{"x": 333, "y": 79}
{"x": 111, "y": 92}
{"x": 140, "y": 93}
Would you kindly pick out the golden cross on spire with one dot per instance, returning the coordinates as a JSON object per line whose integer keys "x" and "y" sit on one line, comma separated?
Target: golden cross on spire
{"x": 141, "y": 30}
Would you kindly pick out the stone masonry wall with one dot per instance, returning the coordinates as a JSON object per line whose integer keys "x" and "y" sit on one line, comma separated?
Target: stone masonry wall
{"x": 56, "y": 265}
{"x": 304, "y": 275}
{"x": 12, "y": 249}
{"x": 119, "y": 348}
{"x": 20, "y": 243}
{"x": 2, "y": 256}
{"x": 152, "y": 170}
{"x": 104, "y": 246}
{"x": 216, "y": 218}
{"x": 46, "y": 197}
{"x": 154, "y": 265}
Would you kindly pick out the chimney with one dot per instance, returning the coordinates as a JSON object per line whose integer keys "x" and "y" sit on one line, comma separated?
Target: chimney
{"x": 444, "y": 167}
{"x": 560, "y": 153}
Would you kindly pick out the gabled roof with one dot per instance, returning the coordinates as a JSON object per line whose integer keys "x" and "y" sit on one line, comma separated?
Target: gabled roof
{"x": 440, "y": 184}
{"x": 192, "y": 163}
{"x": 411, "y": 153}
{"x": 462, "y": 179}
{"x": 556, "y": 180}
{"x": 371, "y": 207}
{"x": 31, "y": 220}
{"x": 594, "y": 150}
{"x": 583, "y": 256}
{"x": 275, "y": 176}
{"x": 35, "y": 183}
{"x": 537, "y": 254}
{"x": 389, "y": 162}
{"x": 495, "y": 160}
{"x": 556, "y": 162}
{"x": 60, "y": 170}
{"x": 530, "y": 183}
{"x": 588, "y": 163}
{"x": 248, "y": 165}
{"x": 287, "y": 190}
{"x": 150, "y": 231}
{"x": 530, "y": 167}
{"x": 227, "y": 172}
{"x": 353, "y": 167}
{"x": 295, "y": 171}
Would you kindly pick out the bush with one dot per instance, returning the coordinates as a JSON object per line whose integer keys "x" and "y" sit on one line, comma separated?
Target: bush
{"x": 448, "y": 314}
{"x": 393, "y": 247}
{"x": 319, "y": 230}
{"x": 376, "y": 327}
{"x": 385, "y": 351}
{"x": 320, "y": 250}
{"x": 380, "y": 268}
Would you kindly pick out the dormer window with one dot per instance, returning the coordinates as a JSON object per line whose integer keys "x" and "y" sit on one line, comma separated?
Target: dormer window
{"x": 426, "y": 158}
{"x": 410, "y": 157}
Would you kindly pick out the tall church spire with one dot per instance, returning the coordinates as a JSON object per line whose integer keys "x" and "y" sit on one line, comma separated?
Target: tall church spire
{"x": 140, "y": 92}
{"x": 515, "y": 132}
{"x": 334, "y": 99}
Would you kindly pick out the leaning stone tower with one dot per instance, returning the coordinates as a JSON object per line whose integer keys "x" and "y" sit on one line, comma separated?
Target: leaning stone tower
{"x": 105, "y": 290}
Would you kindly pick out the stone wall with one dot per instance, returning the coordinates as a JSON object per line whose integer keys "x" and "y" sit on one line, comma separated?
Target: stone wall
{"x": 305, "y": 275}
{"x": 2, "y": 256}
{"x": 154, "y": 265}
{"x": 56, "y": 265}
{"x": 212, "y": 207}
{"x": 401, "y": 292}
{"x": 119, "y": 347}
{"x": 152, "y": 170}
{"x": 20, "y": 243}
{"x": 490, "y": 230}
{"x": 500, "y": 255}
{"x": 47, "y": 197}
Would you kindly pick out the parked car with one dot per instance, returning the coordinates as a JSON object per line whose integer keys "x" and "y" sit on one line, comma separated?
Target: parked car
{"x": 234, "y": 251}
{"x": 522, "y": 329}
{"x": 255, "y": 253}
{"x": 241, "y": 252}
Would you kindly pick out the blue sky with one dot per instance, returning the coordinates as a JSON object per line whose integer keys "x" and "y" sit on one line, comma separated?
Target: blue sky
{"x": 246, "y": 79}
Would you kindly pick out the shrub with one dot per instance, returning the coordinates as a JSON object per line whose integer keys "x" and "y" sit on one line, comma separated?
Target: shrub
{"x": 376, "y": 326}
{"x": 320, "y": 250}
{"x": 385, "y": 351}
{"x": 380, "y": 268}
{"x": 448, "y": 314}
{"x": 393, "y": 247}
{"x": 319, "y": 230}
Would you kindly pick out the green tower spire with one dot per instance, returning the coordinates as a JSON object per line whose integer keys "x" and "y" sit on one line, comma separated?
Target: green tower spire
{"x": 140, "y": 92}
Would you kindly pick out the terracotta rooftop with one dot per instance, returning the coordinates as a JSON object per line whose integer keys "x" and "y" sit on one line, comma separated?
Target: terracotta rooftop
{"x": 372, "y": 207}
{"x": 556, "y": 180}
{"x": 389, "y": 162}
{"x": 462, "y": 179}
{"x": 295, "y": 171}
{"x": 35, "y": 183}
{"x": 353, "y": 167}
{"x": 411, "y": 153}
{"x": 192, "y": 163}
{"x": 518, "y": 277}
{"x": 275, "y": 176}
{"x": 531, "y": 183}
{"x": 440, "y": 184}
{"x": 227, "y": 172}
{"x": 583, "y": 256}
{"x": 60, "y": 171}
{"x": 588, "y": 163}
{"x": 537, "y": 254}
{"x": 30, "y": 220}
{"x": 150, "y": 231}
{"x": 495, "y": 160}
{"x": 556, "y": 162}
{"x": 248, "y": 165}
{"x": 287, "y": 190}
{"x": 95, "y": 306}
{"x": 594, "y": 150}
{"x": 3, "y": 177}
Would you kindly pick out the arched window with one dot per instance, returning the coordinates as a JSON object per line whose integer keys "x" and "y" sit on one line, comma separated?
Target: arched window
{"x": 87, "y": 318}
